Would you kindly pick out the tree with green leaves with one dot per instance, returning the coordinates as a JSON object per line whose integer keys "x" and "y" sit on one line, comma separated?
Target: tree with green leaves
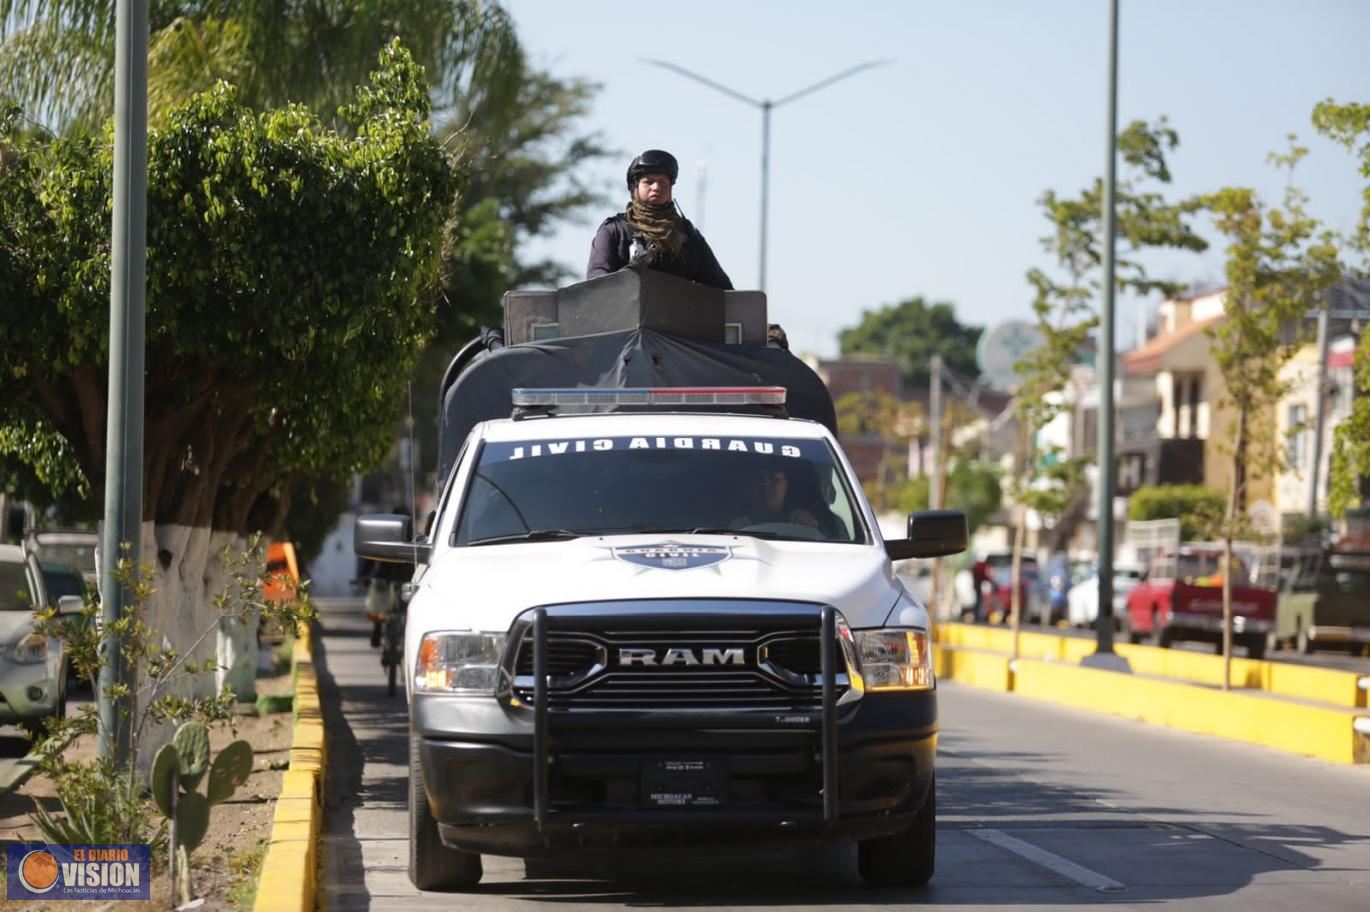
{"x": 522, "y": 168}
{"x": 1280, "y": 262}
{"x": 911, "y": 332}
{"x": 281, "y": 254}
{"x": 1197, "y": 507}
{"x": 1048, "y": 479}
{"x": 57, "y": 56}
{"x": 879, "y": 415}
{"x": 1349, "y": 125}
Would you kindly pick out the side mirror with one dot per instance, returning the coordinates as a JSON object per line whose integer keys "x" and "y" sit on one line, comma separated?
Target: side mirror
{"x": 389, "y": 537}
{"x": 70, "y": 604}
{"x": 932, "y": 533}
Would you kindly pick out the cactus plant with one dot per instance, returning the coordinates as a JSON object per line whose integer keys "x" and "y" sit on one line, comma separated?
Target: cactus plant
{"x": 192, "y": 820}
{"x": 166, "y": 774}
{"x": 230, "y": 769}
{"x": 177, "y": 769}
{"x": 192, "y": 750}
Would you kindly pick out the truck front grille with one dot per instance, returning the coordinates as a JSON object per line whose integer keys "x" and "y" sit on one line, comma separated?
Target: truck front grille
{"x": 714, "y": 669}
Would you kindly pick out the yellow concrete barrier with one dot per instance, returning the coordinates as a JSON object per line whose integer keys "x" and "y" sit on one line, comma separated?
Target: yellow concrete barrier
{"x": 1284, "y": 679}
{"x": 1315, "y": 731}
{"x": 289, "y": 878}
{"x": 976, "y": 668}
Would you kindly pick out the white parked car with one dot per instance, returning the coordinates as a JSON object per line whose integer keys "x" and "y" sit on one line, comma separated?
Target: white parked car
{"x": 1082, "y": 608}
{"x": 653, "y": 623}
{"x": 33, "y": 667}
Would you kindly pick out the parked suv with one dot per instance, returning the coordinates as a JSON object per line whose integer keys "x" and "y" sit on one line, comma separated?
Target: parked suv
{"x": 654, "y": 624}
{"x": 33, "y": 667}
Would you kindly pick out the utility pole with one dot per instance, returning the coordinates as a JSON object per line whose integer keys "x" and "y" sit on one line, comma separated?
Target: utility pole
{"x": 123, "y": 520}
{"x": 938, "y": 471}
{"x": 766, "y": 105}
{"x": 1319, "y": 406}
{"x": 1107, "y": 345}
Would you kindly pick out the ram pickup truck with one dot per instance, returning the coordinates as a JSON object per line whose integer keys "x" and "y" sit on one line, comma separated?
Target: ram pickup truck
{"x": 650, "y": 626}
{"x": 1181, "y": 598}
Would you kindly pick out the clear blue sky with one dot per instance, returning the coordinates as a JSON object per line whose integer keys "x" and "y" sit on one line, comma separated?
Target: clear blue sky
{"x": 921, "y": 177}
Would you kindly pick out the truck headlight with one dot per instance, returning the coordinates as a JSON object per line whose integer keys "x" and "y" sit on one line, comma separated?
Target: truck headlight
{"x": 895, "y": 659}
{"x": 458, "y": 662}
{"x": 31, "y": 650}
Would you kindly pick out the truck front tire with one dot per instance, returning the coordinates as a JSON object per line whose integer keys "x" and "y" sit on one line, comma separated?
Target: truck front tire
{"x": 432, "y": 865}
{"x": 905, "y": 859}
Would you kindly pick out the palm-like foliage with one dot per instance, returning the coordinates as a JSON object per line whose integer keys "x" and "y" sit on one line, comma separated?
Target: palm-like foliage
{"x": 57, "y": 56}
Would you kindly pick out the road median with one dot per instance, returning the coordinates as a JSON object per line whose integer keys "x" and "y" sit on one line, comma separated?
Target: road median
{"x": 289, "y": 878}
{"x": 1297, "y": 709}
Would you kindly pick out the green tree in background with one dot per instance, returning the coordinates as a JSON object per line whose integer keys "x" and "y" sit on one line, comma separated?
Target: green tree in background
{"x": 1280, "y": 261}
{"x": 1198, "y": 508}
{"x": 1349, "y": 124}
{"x": 281, "y": 254}
{"x": 874, "y": 414}
{"x": 57, "y": 56}
{"x": 521, "y": 170}
{"x": 910, "y": 332}
{"x": 1049, "y": 480}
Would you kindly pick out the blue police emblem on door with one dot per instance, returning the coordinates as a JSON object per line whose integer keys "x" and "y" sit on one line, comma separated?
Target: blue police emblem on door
{"x": 671, "y": 556}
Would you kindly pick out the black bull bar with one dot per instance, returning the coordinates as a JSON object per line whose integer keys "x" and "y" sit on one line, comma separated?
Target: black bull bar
{"x": 826, "y": 725}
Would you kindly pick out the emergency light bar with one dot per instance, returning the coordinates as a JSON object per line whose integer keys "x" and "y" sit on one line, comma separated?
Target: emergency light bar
{"x": 644, "y": 395}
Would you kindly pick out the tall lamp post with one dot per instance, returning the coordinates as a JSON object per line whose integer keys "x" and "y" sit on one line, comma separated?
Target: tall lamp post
{"x": 1104, "y": 655}
{"x": 766, "y": 105}
{"x": 124, "y": 431}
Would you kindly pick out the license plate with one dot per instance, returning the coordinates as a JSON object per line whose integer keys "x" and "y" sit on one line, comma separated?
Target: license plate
{"x": 680, "y": 783}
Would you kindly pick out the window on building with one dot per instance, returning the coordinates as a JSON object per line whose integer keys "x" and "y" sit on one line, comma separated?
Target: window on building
{"x": 1297, "y": 436}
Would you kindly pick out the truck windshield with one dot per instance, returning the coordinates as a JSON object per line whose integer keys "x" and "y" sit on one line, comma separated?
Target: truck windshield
{"x": 554, "y": 488}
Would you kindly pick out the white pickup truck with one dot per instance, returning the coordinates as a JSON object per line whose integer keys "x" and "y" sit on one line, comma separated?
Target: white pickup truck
{"x": 661, "y": 625}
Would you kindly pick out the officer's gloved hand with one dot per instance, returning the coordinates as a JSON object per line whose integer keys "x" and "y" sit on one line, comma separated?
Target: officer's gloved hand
{"x": 776, "y": 338}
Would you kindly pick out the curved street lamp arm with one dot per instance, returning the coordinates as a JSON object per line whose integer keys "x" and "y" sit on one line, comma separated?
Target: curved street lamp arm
{"x": 830, "y": 80}
{"x": 708, "y": 82}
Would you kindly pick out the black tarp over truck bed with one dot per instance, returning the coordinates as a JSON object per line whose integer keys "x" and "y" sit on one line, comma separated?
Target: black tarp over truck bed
{"x": 634, "y": 355}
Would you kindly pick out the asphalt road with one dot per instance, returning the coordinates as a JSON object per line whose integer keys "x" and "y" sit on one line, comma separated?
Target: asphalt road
{"x": 1040, "y": 808}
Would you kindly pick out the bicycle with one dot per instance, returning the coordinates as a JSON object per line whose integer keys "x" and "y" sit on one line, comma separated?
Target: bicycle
{"x": 392, "y": 637}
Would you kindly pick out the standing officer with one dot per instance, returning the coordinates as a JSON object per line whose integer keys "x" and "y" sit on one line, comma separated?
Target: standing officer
{"x": 652, "y": 232}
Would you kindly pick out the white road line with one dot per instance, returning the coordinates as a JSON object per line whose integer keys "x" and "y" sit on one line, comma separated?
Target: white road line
{"x": 1049, "y": 860}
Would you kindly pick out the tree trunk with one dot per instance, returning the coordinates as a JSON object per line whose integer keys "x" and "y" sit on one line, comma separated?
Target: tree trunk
{"x": 189, "y": 575}
{"x": 1234, "y": 492}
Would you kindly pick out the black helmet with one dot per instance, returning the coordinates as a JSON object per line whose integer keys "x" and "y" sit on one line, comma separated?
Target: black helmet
{"x": 653, "y": 161}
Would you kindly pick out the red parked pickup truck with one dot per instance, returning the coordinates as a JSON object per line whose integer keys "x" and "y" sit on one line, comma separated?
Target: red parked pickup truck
{"x": 1182, "y": 599}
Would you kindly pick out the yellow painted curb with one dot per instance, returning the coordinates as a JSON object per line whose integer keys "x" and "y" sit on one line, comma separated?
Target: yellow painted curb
{"x": 289, "y": 878}
{"x": 1284, "y": 679}
{"x": 1325, "y": 732}
{"x": 1314, "y": 731}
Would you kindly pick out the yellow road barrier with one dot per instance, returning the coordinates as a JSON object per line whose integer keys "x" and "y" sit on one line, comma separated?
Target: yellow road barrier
{"x": 1284, "y": 679}
{"x": 1299, "y": 727}
{"x": 289, "y": 876}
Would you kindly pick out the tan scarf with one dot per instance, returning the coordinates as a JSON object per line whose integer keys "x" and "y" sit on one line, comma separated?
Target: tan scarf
{"x": 661, "y": 226}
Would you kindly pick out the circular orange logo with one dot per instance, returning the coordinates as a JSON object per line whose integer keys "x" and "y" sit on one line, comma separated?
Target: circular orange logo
{"x": 38, "y": 871}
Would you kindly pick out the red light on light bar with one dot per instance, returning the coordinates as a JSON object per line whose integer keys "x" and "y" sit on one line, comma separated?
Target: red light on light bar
{"x": 642, "y": 395}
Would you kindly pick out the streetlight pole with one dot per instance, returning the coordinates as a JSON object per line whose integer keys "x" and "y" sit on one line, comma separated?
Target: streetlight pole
{"x": 1106, "y": 484}
{"x": 766, "y": 105}
{"x": 123, "y": 521}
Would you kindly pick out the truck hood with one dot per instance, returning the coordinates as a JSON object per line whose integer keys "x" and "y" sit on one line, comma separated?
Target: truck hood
{"x": 486, "y": 587}
{"x": 14, "y": 626}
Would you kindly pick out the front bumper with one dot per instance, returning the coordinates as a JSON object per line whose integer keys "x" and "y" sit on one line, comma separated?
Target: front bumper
{"x": 479, "y": 783}
{"x": 1326, "y": 633}
{"x": 16, "y": 680}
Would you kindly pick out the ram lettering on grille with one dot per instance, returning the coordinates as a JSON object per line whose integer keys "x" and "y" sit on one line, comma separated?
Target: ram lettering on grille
{"x": 678, "y": 656}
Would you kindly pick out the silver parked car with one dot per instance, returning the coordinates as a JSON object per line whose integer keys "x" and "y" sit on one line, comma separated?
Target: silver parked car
{"x": 32, "y": 666}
